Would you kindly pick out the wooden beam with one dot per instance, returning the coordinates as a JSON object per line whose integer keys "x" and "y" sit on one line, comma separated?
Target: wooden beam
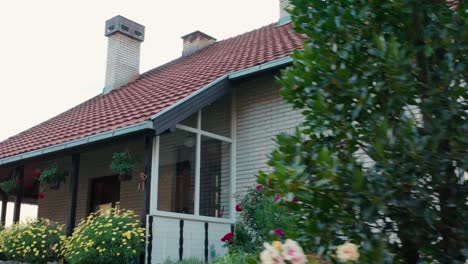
{"x": 73, "y": 193}
{"x": 147, "y": 193}
{"x": 19, "y": 194}
{"x": 147, "y": 170}
{"x": 4, "y": 208}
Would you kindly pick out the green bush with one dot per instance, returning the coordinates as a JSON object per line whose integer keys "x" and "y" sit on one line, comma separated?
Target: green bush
{"x": 108, "y": 237}
{"x": 35, "y": 241}
{"x": 383, "y": 82}
{"x": 52, "y": 174}
{"x": 9, "y": 186}
{"x": 260, "y": 218}
{"x": 122, "y": 163}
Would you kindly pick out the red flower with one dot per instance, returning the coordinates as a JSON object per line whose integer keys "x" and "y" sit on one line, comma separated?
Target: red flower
{"x": 295, "y": 200}
{"x": 37, "y": 174}
{"x": 40, "y": 196}
{"x": 269, "y": 182}
{"x": 277, "y": 198}
{"x": 238, "y": 208}
{"x": 258, "y": 188}
{"x": 227, "y": 236}
{"x": 279, "y": 232}
{"x": 231, "y": 242}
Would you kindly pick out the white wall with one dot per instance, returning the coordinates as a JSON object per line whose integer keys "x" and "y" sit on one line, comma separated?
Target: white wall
{"x": 28, "y": 211}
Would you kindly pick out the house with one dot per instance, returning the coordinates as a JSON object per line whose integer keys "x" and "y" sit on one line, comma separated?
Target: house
{"x": 200, "y": 127}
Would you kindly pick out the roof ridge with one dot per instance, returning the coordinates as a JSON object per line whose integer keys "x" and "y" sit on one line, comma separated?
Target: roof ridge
{"x": 217, "y": 43}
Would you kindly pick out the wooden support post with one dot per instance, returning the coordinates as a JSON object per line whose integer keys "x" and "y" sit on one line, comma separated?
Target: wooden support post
{"x": 4, "y": 208}
{"x": 73, "y": 193}
{"x": 19, "y": 194}
{"x": 147, "y": 171}
{"x": 147, "y": 193}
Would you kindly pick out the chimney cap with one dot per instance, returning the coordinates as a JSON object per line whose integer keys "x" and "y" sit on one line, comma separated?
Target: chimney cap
{"x": 192, "y": 36}
{"x": 120, "y": 24}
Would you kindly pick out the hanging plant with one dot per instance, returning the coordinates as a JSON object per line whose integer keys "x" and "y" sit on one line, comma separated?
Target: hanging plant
{"x": 52, "y": 176}
{"x": 123, "y": 165}
{"x": 9, "y": 186}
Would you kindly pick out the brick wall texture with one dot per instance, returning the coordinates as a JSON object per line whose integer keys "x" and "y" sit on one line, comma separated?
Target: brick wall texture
{"x": 93, "y": 164}
{"x": 261, "y": 115}
{"x": 123, "y": 61}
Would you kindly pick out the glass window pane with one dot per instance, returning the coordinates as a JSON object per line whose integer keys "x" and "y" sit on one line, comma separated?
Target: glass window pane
{"x": 215, "y": 178}
{"x": 216, "y": 118}
{"x": 176, "y": 186}
{"x": 191, "y": 121}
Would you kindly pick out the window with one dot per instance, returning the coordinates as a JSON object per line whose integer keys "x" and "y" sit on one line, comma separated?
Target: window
{"x": 194, "y": 175}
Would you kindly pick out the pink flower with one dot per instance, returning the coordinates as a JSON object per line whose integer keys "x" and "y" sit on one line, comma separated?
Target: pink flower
{"x": 293, "y": 252}
{"x": 279, "y": 232}
{"x": 238, "y": 208}
{"x": 277, "y": 198}
{"x": 258, "y": 187}
{"x": 272, "y": 254}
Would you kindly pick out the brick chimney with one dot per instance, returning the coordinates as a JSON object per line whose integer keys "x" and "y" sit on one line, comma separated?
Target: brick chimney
{"x": 196, "y": 41}
{"x": 123, "y": 51}
{"x": 284, "y": 16}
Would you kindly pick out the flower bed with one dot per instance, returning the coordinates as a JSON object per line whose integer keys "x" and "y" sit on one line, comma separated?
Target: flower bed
{"x": 35, "y": 241}
{"x": 109, "y": 237}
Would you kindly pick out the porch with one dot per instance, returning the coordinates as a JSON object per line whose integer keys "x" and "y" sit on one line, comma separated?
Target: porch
{"x": 181, "y": 186}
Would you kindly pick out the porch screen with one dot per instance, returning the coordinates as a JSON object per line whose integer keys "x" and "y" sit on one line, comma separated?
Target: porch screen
{"x": 195, "y": 163}
{"x": 177, "y": 172}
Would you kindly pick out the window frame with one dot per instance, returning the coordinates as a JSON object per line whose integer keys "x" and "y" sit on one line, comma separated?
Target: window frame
{"x": 199, "y": 133}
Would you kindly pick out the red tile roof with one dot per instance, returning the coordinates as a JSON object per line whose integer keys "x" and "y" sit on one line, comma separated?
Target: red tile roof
{"x": 157, "y": 89}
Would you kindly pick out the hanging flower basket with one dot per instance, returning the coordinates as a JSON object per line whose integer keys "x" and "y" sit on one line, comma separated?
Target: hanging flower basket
{"x": 53, "y": 176}
{"x": 9, "y": 186}
{"x": 123, "y": 165}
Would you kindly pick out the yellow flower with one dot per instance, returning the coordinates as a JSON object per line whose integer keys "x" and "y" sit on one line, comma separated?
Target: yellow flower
{"x": 127, "y": 234}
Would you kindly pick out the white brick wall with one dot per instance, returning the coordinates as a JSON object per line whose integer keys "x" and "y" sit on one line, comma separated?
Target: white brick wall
{"x": 123, "y": 61}
{"x": 261, "y": 115}
{"x": 283, "y": 5}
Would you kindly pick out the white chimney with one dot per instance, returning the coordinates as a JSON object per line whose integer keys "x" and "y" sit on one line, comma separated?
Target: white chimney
{"x": 196, "y": 41}
{"x": 284, "y": 16}
{"x": 123, "y": 51}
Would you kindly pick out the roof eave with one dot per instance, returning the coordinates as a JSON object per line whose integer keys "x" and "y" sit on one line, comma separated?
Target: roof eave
{"x": 79, "y": 142}
{"x": 167, "y": 118}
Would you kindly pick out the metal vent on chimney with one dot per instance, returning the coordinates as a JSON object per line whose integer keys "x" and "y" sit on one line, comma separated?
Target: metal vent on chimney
{"x": 120, "y": 24}
{"x": 123, "y": 51}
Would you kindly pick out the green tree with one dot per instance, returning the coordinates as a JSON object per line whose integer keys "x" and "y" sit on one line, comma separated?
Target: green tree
{"x": 382, "y": 81}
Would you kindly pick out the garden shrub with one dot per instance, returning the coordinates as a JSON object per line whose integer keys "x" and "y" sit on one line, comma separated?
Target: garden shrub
{"x": 261, "y": 220}
{"x": 34, "y": 241}
{"x": 112, "y": 236}
{"x": 381, "y": 158}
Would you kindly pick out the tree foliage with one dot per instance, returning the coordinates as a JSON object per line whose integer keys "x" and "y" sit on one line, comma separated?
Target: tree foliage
{"x": 382, "y": 81}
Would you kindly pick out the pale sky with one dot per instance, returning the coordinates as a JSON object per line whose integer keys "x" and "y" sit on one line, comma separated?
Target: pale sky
{"x": 53, "y": 52}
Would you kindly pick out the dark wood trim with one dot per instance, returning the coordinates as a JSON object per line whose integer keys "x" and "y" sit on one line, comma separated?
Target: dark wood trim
{"x": 206, "y": 242}
{"x": 148, "y": 161}
{"x": 73, "y": 193}
{"x": 181, "y": 239}
{"x": 4, "y": 208}
{"x": 149, "y": 247}
{"x": 169, "y": 119}
{"x": 19, "y": 173}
